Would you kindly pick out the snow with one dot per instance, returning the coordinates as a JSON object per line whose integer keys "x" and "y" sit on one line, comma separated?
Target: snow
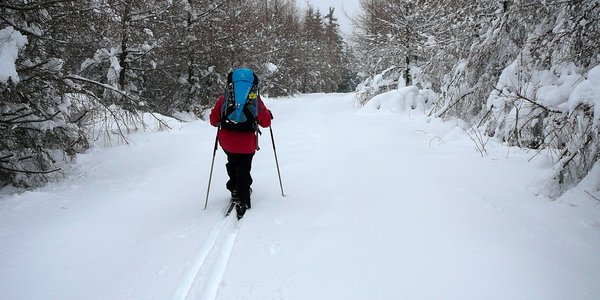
{"x": 555, "y": 87}
{"x": 402, "y": 99}
{"x": 380, "y": 204}
{"x": 561, "y": 88}
{"x": 11, "y": 41}
{"x": 588, "y": 92}
{"x": 271, "y": 68}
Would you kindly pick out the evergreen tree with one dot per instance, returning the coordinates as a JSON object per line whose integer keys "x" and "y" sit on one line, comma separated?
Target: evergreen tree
{"x": 334, "y": 64}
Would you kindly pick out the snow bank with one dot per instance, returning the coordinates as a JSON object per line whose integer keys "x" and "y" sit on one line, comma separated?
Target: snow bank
{"x": 402, "y": 99}
{"x": 383, "y": 82}
{"x": 11, "y": 42}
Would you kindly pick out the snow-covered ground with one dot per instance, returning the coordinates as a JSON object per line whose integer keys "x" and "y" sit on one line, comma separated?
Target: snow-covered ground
{"x": 379, "y": 205}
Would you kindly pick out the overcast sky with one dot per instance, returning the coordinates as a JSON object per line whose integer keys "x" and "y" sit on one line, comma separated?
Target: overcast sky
{"x": 342, "y": 8}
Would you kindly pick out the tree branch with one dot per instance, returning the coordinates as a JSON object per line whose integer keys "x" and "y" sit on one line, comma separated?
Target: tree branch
{"x": 28, "y": 171}
{"x": 11, "y": 121}
{"x": 33, "y": 6}
{"x": 112, "y": 88}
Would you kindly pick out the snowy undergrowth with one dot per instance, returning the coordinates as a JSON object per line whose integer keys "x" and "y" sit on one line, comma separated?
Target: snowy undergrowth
{"x": 379, "y": 205}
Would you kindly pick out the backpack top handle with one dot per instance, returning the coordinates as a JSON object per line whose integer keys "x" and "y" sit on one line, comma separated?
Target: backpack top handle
{"x": 242, "y": 74}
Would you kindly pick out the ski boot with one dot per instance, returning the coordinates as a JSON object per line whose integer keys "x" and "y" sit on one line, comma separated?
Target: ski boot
{"x": 240, "y": 209}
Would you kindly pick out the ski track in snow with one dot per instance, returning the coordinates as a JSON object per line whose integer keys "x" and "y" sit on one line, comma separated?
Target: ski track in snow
{"x": 204, "y": 276}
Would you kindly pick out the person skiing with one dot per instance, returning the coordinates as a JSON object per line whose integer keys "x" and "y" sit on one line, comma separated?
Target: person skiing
{"x": 237, "y": 114}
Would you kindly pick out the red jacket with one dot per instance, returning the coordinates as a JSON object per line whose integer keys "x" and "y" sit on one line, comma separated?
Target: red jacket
{"x": 235, "y": 141}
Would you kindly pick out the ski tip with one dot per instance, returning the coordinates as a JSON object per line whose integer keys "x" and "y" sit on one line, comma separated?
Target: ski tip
{"x": 230, "y": 209}
{"x": 240, "y": 211}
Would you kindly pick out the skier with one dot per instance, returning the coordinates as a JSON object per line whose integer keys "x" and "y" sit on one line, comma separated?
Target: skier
{"x": 239, "y": 142}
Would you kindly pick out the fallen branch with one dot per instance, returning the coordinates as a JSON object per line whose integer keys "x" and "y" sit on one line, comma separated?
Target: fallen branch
{"x": 434, "y": 138}
{"x": 590, "y": 194}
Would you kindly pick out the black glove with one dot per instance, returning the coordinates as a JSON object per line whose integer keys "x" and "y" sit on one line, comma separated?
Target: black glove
{"x": 271, "y": 115}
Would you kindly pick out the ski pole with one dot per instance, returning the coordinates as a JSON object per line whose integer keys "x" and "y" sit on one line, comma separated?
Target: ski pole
{"x": 211, "y": 168}
{"x": 276, "y": 161}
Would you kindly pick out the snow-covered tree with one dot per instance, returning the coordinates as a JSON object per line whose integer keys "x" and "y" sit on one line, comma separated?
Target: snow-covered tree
{"x": 543, "y": 98}
{"x": 38, "y": 127}
{"x": 393, "y": 40}
{"x": 125, "y": 51}
{"x": 514, "y": 69}
{"x": 189, "y": 56}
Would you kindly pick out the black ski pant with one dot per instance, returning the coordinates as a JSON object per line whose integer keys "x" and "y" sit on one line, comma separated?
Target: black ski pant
{"x": 238, "y": 168}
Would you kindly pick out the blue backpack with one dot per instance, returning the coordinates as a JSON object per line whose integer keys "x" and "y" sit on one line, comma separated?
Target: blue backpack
{"x": 240, "y": 108}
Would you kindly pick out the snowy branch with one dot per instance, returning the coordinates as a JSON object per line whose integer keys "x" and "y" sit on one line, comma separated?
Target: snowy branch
{"x": 33, "y": 6}
{"x": 519, "y": 96}
{"x": 28, "y": 171}
{"x": 14, "y": 121}
{"x": 109, "y": 87}
{"x": 4, "y": 160}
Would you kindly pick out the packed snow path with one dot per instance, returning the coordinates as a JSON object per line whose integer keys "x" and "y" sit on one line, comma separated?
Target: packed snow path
{"x": 379, "y": 205}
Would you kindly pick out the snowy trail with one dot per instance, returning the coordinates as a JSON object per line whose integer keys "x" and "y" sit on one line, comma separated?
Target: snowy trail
{"x": 212, "y": 272}
{"x": 379, "y": 205}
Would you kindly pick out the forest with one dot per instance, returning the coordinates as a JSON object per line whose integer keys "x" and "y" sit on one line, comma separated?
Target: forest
{"x": 89, "y": 69}
{"x": 520, "y": 71}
